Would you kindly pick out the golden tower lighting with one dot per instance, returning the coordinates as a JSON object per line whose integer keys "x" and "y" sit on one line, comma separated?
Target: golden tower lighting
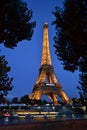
{"x": 47, "y": 83}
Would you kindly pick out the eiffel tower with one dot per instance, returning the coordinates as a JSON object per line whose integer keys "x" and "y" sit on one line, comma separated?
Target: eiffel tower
{"x": 47, "y": 83}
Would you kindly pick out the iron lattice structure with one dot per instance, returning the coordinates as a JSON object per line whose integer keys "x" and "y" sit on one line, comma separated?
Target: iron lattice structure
{"x": 47, "y": 82}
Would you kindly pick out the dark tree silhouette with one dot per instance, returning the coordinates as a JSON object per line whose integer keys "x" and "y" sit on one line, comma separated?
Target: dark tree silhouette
{"x": 5, "y": 81}
{"x": 15, "y": 100}
{"x": 71, "y": 38}
{"x": 71, "y": 33}
{"x": 25, "y": 99}
{"x": 15, "y": 26}
{"x": 15, "y": 22}
{"x": 83, "y": 81}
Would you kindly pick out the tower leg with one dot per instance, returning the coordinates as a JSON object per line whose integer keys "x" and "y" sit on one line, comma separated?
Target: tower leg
{"x": 36, "y": 95}
{"x": 64, "y": 97}
{"x": 53, "y": 98}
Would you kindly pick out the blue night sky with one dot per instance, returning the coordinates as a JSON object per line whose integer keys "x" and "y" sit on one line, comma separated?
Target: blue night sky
{"x": 25, "y": 59}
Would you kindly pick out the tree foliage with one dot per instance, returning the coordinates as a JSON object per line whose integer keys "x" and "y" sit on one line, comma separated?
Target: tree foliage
{"x": 15, "y": 100}
{"x": 15, "y": 22}
{"x": 25, "y": 99}
{"x": 15, "y": 26}
{"x": 71, "y": 33}
{"x": 71, "y": 39}
{"x": 5, "y": 81}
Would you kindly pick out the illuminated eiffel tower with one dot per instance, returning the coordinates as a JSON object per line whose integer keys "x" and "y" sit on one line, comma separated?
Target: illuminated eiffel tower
{"x": 47, "y": 83}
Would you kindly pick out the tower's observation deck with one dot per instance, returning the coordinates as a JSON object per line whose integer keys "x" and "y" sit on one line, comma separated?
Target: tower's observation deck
{"x": 47, "y": 82}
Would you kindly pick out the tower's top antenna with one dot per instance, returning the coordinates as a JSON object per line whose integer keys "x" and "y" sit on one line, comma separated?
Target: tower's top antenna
{"x": 46, "y": 25}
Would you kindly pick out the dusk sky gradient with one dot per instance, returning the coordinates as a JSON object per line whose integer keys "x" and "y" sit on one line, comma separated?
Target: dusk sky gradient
{"x": 25, "y": 59}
